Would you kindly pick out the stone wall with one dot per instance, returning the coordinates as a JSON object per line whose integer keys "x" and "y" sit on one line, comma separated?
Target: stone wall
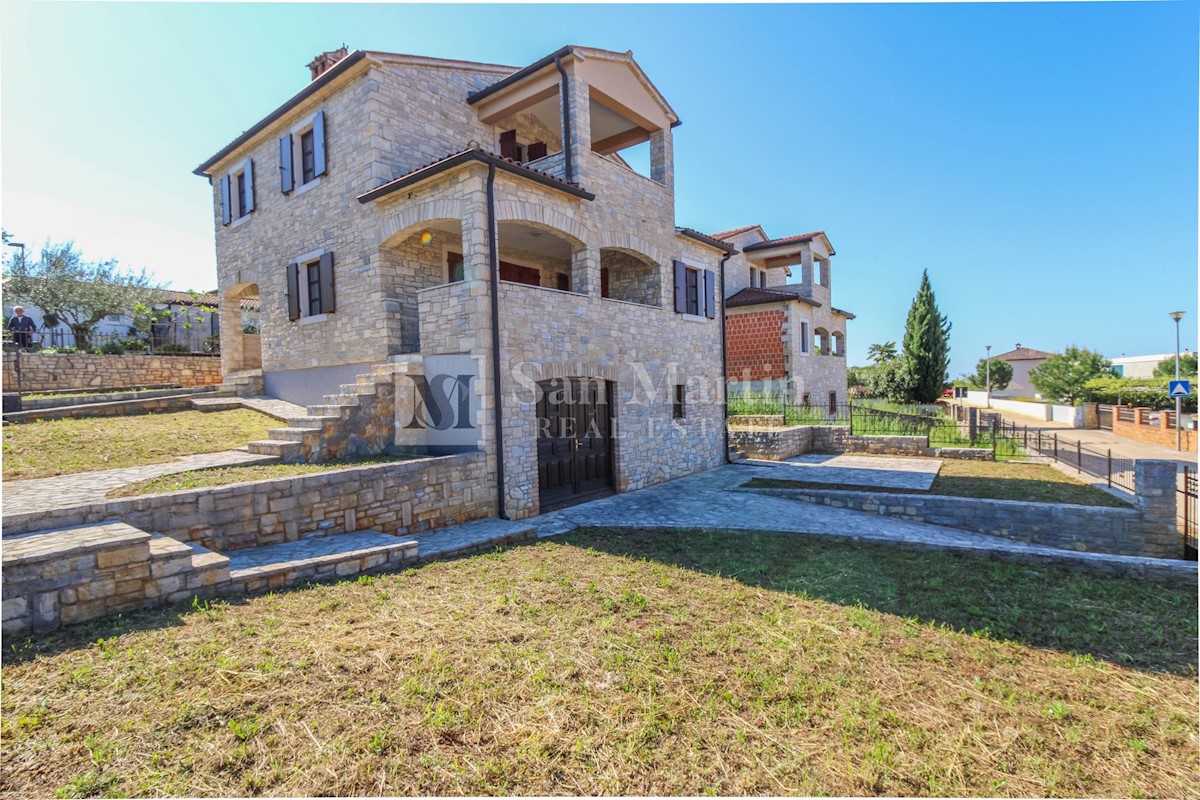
{"x": 781, "y": 443}
{"x": 115, "y": 408}
{"x": 1160, "y": 434}
{"x": 54, "y": 372}
{"x": 1147, "y": 530}
{"x": 405, "y": 496}
{"x": 777, "y": 444}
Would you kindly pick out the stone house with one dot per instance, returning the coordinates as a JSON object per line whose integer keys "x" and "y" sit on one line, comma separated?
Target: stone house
{"x": 784, "y": 336}
{"x": 467, "y": 239}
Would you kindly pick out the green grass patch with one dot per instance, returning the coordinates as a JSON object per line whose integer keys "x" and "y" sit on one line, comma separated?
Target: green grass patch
{"x": 223, "y": 476}
{"x": 986, "y": 480}
{"x": 68, "y": 446}
{"x": 628, "y": 663}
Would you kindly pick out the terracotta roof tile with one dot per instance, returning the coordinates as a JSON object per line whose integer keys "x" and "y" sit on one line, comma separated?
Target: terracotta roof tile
{"x": 755, "y": 296}
{"x": 471, "y": 153}
{"x": 1024, "y": 354}
{"x": 731, "y": 233}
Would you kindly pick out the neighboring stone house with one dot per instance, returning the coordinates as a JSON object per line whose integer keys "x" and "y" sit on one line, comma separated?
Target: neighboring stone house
{"x": 784, "y": 336}
{"x": 471, "y": 229}
{"x": 1022, "y": 360}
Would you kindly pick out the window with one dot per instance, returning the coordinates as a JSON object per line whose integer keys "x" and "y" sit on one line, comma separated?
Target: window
{"x": 302, "y": 154}
{"x": 803, "y": 337}
{"x": 237, "y": 192}
{"x": 693, "y": 291}
{"x": 454, "y": 267}
{"x": 806, "y": 401}
{"x": 758, "y": 278}
{"x": 512, "y": 149}
{"x": 310, "y": 286}
{"x": 833, "y": 402}
{"x": 678, "y": 408}
{"x": 563, "y": 282}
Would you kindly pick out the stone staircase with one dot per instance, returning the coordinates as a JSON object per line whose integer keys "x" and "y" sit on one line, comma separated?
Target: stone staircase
{"x": 247, "y": 383}
{"x": 358, "y": 420}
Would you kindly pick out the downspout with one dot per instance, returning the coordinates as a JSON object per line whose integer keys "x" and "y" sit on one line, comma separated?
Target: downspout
{"x": 497, "y": 393}
{"x": 724, "y": 364}
{"x": 568, "y": 166}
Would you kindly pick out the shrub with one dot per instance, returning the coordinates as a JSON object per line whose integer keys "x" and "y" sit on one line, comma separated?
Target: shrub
{"x": 113, "y": 348}
{"x": 172, "y": 350}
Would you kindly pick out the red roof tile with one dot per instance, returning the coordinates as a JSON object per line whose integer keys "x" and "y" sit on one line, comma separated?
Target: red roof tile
{"x": 755, "y": 296}
{"x": 731, "y": 233}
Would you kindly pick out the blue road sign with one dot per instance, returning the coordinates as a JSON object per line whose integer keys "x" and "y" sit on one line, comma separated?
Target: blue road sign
{"x": 1180, "y": 388}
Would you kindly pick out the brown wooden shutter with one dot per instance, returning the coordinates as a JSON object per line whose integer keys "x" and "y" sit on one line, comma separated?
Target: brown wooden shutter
{"x": 226, "y": 209}
{"x": 319, "y": 143}
{"x": 328, "y": 304}
{"x": 710, "y": 283}
{"x": 564, "y": 282}
{"x": 249, "y": 186}
{"x": 286, "y": 183}
{"x": 604, "y": 282}
{"x": 680, "y": 287}
{"x": 509, "y": 147}
{"x": 293, "y": 291}
{"x": 536, "y": 150}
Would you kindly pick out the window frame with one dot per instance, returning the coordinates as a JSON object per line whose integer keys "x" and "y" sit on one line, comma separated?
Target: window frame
{"x": 679, "y": 402}
{"x": 693, "y": 282}
{"x": 306, "y": 126}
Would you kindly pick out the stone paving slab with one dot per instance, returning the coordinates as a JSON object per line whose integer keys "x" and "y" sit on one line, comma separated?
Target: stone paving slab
{"x": 65, "y": 491}
{"x": 67, "y": 542}
{"x": 316, "y": 549}
{"x": 271, "y": 406}
{"x": 473, "y": 537}
{"x": 710, "y": 500}
{"x": 867, "y": 471}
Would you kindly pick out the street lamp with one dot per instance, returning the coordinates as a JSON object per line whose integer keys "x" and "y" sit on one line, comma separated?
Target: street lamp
{"x": 1177, "y": 315}
{"x": 987, "y": 371}
{"x": 20, "y": 245}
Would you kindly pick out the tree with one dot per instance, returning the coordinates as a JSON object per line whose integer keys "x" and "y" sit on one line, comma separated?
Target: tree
{"x": 78, "y": 292}
{"x": 1062, "y": 377}
{"x": 1166, "y": 367}
{"x": 878, "y": 353}
{"x": 926, "y": 351}
{"x": 892, "y": 380}
{"x": 1000, "y": 373}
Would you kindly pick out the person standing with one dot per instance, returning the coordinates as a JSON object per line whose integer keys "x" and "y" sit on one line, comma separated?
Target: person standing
{"x": 22, "y": 328}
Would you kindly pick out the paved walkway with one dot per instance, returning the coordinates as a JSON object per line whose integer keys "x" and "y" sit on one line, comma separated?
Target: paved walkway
{"x": 271, "y": 406}
{"x": 889, "y": 473}
{"x": 711, "y": 500}
{"x": 64, "y": 491}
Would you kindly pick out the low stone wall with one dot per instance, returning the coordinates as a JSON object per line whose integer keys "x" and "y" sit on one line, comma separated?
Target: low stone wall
{"x": 120, "y": 408}
{"x": 58, "y": 401}
{"x": 1158, "y": 434}
{"x": 1147, "y": 530}
{"x": 756, "y": 421}
{"x": 42, "y": 372}
{"x": 780, "y": 444}
{"x": 404, "y": 496}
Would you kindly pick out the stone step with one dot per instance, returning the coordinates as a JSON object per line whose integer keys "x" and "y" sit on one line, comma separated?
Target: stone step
{"x": 315, "y": 423}
{"x": 285, "y": 451}
{"x": 328, "y": 410}
{"x": 218, "y": 402}
{"x": 473, "y": 537}
{"x": 345, "y": 400}
{"x": 289, "y": 434}
{"x": 358, "y": 389}
{"x": 182, "y": 569}
{"x": 255, "y": 569}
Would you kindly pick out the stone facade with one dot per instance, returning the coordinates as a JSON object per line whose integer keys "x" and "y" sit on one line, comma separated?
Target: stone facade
{"x": 62, "y": 372}
{"x": 779, "y": 443}
{"x": 387, "y": 116}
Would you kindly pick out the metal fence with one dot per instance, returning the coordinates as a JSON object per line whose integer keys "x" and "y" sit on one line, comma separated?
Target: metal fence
{"x": 156, "y": 342}
{"x": 1117, "y": 471}
{"x": 1187, "y": 503}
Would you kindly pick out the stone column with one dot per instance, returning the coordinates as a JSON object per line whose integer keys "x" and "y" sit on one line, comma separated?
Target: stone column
{"x": 580, "y": 122}
{"x": 585, "y": 271}
{"x": 806, "y": 266}
{"x": 662, "y": 158}
{"x": 231, "y": 334}
{"x": 1155, "y": 483}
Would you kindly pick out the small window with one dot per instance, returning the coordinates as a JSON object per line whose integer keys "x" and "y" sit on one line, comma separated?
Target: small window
{"x": 237, "y": 192}
{"x": 563, "y": 282}
{"x": 311, "y": 286}
{"x": 678, "y": 405}
{"x": 833, "y": 402}
{"x": 454, "y": 267}
{"x": 308, "y": 157}
{"x": 313, "y": 269}
{"x": 806, "y": 401}
{"x": 692, "y": 288}
{"x": 803, "y": 337}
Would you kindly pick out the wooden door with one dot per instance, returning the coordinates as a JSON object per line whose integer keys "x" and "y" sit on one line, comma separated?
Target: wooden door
{"x": 575, "y": 442}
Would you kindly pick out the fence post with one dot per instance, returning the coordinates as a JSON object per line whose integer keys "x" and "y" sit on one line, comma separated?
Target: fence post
{"x": 1078, "y": 455}
{"x": 1055, "y": 442}
{"x": 1108, "y": 468}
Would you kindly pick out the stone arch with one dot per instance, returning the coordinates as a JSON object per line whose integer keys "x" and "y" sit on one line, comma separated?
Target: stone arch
{"x": 410, "y": 219}
{"x": 839, "y": 344}
{"x": 823, "y": 341}
{"x": 552, "y": 220}
{"x": 240, "y": 351}
{"x": 633, "y": 244}
{"x": 630, "y": 275}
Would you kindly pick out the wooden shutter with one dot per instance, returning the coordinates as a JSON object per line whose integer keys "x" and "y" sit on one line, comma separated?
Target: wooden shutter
{"x": 226, "y": 209}
{"x": 319, "y": 143}
{"x": 680, "y": 287}
{"x": 249, "y": 186}
{"x": 710, "y": 283}
{"x": 536, "y": 150}
{"x": 604, "y": 282}
{"x": 509, "y": 147}
{"x": 327, "y": 298}
{"x": 286, "y": 183}
{"x": 293, "y": 291}
{"x": 564, "y": 282}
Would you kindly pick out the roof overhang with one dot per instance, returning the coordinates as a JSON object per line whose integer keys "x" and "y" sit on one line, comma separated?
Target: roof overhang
{"x": 470, "y": 157}
{"x": 716, "y": 244}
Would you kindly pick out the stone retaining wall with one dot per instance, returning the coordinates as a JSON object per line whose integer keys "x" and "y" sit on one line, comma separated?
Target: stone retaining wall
{"x": 120, "y": 408}
{"x": 404, "y": 496}
{"x": 780, "y": 444}
{"x": 1147, "y": 530}
{"x": 42, "y": 372}
{"x": 58, "y": 401}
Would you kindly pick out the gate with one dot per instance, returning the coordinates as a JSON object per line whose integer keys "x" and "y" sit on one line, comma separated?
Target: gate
{"x": 1187, "y": 503}
{"x": 1105, "y": 414}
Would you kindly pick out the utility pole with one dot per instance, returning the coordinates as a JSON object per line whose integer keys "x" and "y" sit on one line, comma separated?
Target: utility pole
{"x": 1177, "y": 315}
{"x": 987, "y": 371}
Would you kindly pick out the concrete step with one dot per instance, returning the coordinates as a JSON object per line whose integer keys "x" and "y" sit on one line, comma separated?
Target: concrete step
{"x": 255, "y": 569}
{"x": 285, "y": 451}
{"x": 289, "y": 434}
{"x": 315, "y": 423}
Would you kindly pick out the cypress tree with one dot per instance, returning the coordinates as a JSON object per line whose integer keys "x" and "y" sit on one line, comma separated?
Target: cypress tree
{"x": 926, "y": 344}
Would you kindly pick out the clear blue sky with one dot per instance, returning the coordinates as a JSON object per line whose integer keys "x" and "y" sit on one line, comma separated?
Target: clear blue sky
{"x": 1040, "y": 160}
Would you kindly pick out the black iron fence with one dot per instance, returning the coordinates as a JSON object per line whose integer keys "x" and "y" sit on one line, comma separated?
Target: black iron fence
{"x": 153, "y": 343}
{"x": 1187, "y": 512}
{"x": 1116, "y": 471}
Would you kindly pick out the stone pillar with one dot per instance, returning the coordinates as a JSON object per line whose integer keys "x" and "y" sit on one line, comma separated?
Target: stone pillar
{"x": 806, "y": 266}
{"x": 585, "y": 271}
{"x": 1091, "y": 416}
{"x": 662, "y": 158}
{"x": 231, "y": 334}
{"x": 1157, "y": 495}
{"x": 826, "y": 275}
{"x": 580, "y": 122}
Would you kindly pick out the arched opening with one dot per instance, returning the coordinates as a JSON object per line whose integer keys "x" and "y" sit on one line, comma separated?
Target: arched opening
{"x": 823, "y": 342}
{"x": 630, "y": 276}
{"x": 420, "y": 256}
{"x": 240, "y": 331}
{"x": 839, "y": 344}
{"x": 538, "y": 255}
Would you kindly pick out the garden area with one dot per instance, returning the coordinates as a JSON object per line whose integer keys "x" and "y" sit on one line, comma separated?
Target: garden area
{"x": 625, "y": 662}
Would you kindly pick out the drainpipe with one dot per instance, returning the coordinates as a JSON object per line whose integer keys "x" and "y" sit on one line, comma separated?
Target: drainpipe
{"x": 568, "y": 166}
{"x": 724, "y": 364}
{"x": 497, "y": 394}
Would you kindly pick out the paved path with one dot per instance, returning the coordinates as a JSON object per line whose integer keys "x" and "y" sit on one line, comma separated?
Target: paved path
{"x": 890, "y": 473}
{"x": 63, "y": 491}
{"x": 711, "y": 500}
{"x": 271, "y": 406}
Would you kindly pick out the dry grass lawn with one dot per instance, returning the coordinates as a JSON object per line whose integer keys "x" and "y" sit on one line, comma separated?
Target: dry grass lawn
{"x": 615, "y": 662}
{"x": 68, "y": 446}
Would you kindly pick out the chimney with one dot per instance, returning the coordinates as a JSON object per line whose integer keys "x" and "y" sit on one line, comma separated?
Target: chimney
{"x": 322, "y": 63}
